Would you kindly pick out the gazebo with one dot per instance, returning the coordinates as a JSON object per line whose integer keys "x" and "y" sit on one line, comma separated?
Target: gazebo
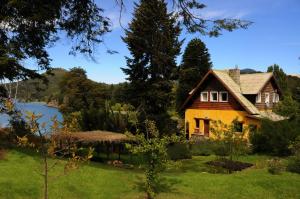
{"x": 111, "y": 140}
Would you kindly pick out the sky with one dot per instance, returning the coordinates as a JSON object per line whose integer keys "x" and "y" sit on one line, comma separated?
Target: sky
{"x": 274, "y": 37}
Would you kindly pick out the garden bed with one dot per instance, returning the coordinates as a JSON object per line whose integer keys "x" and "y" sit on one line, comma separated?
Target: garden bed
{"x": 229, "y": 164}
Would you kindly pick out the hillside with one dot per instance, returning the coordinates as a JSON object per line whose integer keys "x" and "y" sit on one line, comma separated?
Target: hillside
{"x": 37, "y": 90}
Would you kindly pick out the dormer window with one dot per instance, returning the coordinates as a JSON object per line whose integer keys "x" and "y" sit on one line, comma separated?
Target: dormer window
{"x": 267, "y": 98}
{"x": 223, "y": 96}
{"x": 204, "y": 97}
{"x": 214, "y": 97}
{"x": 258, "y": 98}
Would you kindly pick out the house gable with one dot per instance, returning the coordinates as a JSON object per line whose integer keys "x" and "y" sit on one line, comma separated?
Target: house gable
{"x": 211, "y": 83}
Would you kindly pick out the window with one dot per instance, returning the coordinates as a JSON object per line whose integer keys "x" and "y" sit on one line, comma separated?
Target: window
{"x": 274, "y": 97}
{"x": 197, "y": 123}
{"x": 267, "y": 98}
{"x": 238, "y": 126}
{"x": 223, "y": 96}
{"x": 258, "y": 98}
{"x": 277, "y": 98}
{"x": 204, "y": 96}
{"x": 213, "y": 96}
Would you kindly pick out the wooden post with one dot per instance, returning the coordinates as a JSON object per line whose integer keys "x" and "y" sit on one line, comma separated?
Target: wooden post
{"x": 119, "y": 158}
{"x": 107, "y": 150}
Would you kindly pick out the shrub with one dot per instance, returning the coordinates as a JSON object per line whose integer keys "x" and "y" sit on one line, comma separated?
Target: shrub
{"x": 294, "y": 164}
{"x": 275, "y": 166}
{"x": 275, "y": 137}
{"x": 179, "y": 151}
{"x": 202, "y": 148}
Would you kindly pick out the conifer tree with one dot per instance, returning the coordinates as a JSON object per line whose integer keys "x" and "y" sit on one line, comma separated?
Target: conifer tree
{"x": 152, "y": 39}
{"x": 280, "y": 76}
{"x": 195, "y": 64}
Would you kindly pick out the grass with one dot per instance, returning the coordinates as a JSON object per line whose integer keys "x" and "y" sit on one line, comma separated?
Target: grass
{"x": 19, "y": 179}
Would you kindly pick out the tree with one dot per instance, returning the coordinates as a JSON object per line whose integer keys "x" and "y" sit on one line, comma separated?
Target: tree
{"x": 27, "y": 28}
{"x": 85, "y": 97}
{"x": 195, "y": 64}
{"x": 288, "y": 106}
{"x": 280, "y": 76}
{"x": 230, "y": 141}
{"x": 152, "y": 39}
{"x": 153, "y": 149}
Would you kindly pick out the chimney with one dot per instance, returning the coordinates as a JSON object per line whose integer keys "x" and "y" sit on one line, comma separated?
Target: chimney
{"x": 235, "y": 75}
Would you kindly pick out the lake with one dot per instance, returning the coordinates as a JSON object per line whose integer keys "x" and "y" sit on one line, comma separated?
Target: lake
{"x": 37, "y": 108}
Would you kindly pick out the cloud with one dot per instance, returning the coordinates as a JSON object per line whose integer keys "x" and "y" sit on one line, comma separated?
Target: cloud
{"x": 217, "y": 14}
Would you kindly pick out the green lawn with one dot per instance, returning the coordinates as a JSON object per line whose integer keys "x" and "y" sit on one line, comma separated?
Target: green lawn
{"x": 19, "y": 179}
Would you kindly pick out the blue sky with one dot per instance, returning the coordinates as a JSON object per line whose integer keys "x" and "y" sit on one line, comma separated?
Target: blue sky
{"x": 274, "y": 37}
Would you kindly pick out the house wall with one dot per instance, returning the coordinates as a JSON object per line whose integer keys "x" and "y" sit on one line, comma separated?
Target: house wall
{"x": 226, "y": 116}
{"x": 271, "y": 88}
{"x": 212, "y": 84}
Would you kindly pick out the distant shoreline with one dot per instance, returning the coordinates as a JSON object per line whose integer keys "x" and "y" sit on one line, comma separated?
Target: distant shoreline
{"x": 50, "y": 104}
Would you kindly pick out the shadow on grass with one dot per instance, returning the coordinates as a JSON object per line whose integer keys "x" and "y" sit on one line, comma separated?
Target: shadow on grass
{"x": 166, "y": 185}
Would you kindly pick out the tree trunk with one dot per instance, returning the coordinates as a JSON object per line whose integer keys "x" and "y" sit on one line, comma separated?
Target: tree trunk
{"x": 45, "y": 177}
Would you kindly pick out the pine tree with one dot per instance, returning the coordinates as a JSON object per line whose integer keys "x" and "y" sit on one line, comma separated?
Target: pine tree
{"x": 152, "y": 39}
{"x": 280, "y": 76}
{"x": 195, "y": 64}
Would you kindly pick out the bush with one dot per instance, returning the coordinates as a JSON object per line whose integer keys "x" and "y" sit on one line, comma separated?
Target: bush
{"x": 294, "y": 164}
{"x": 275, "y": 166}
{"x": 202, "y": 148}
{"x": 220, "y": 148}
{"x": 179, "y": 151}
{"x": 275, "y": 137}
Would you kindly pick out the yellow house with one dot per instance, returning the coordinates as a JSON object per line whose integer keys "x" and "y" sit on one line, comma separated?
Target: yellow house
{"x": 228, "y": 95}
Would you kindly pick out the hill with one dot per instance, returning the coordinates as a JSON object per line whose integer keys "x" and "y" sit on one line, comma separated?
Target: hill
{"x": 249, "y": 71}
{"x": 37, "y": 90}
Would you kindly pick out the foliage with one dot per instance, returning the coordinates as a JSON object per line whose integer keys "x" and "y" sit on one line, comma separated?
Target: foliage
{"x": 294, "y": 87}
{"x": 195, "y": 64}
{"x": 275, "y": 137}
{"x": 48, "y": 147}
{"x": 275, "y": 166}
{"x": 287, "y": 107}
{"x": 152, "y": 39}
{"x": 294, "y": 162}
{"x": 228, "y": 140}
{"x": 280, "y": 76}
{"x": 39, "y": 90}
{"x": 179, "y": 151}
{"x": 80, "y": 93}
{"x": 28, "y": 28}
{"x": 154, "y": 151}
{"x": 202, "y": 147}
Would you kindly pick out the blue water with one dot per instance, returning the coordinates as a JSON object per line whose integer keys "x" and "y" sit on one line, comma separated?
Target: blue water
{"x": 37, "y": 108}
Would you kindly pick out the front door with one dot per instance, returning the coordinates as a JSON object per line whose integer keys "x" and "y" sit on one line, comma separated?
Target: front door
{"x": 206, "y": 128}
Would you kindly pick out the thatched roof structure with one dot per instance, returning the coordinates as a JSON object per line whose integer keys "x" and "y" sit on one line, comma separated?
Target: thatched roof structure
{"x": 94, "y": 137}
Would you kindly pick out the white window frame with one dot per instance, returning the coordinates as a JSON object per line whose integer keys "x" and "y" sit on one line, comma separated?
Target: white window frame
{"x": 211, "y": 97}
{"x": 267, "y": 98}
{"x": 277, "y": 98}
{"x": 274, "y": 97}
{"x": 201, "y": 96}
{"x": 220, "y": 97}
{"x": 258, "y": 98}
